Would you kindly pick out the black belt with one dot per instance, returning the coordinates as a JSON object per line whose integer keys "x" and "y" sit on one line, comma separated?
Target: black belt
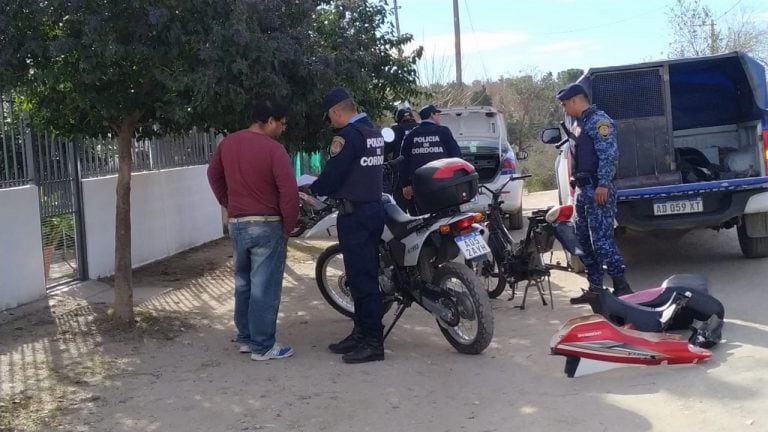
{"x": 584, "y": 179}
{"x": 346, "y": 206}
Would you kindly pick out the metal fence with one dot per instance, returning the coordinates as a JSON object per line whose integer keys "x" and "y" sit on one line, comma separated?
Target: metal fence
{"x": 15, "y": 163}
{"x": 98, "y": 157}
{"x": 30, "y": 156}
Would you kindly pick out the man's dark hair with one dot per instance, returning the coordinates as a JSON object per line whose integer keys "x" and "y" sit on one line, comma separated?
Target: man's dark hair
{"x": 265, "y": 107}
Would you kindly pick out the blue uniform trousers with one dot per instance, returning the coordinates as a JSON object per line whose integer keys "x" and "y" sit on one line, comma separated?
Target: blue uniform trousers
{"x": 594, "y": 229}
{"x": 359, "y": 235}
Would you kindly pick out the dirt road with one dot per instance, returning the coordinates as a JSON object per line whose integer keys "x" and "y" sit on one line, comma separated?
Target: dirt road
{"x": 62, "y": 368}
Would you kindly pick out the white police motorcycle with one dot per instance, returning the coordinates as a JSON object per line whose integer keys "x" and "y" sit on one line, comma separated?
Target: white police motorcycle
{"x": 417, "y": 256}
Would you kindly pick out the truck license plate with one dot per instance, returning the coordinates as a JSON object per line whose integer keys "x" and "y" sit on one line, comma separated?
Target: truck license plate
{"x": 472, "y": 245}
{"x": 663, "y": 208}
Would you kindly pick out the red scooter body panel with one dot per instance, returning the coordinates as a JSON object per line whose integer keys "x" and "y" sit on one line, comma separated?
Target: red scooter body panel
{"x": 593, "y": 337}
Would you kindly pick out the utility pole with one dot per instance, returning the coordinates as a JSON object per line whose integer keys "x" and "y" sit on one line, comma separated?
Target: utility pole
{"x": 457, "y": 38}
{"x": 397, "y": 19}
{"x": 714, "y": 44}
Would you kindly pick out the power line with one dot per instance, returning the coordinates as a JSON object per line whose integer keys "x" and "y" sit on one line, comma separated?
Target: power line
{"x": 731, "y": 8}
{"x": 606, "y": 24}
{"x": 472, "y": 26}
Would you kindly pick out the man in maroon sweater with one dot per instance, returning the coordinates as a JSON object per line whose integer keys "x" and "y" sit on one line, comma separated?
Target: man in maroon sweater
{"x": 251, "y": 176}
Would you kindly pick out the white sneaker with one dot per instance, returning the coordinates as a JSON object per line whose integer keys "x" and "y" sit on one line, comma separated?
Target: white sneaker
{"x": 245, "y": 349}
{"x": 276, "y": 352}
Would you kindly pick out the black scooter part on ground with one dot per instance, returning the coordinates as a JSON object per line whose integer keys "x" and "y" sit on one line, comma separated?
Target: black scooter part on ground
{"x": 683, "y": 303}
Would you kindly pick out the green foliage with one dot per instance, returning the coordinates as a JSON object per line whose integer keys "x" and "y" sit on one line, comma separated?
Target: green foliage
{"x": 540, "y": 163}
{"x": 56, "y": 227}
{"x": 569, "y": 75}
{"x": 87, "y": 67}
{"x": 481, "y": 98}
{"x": 357, "y": 47}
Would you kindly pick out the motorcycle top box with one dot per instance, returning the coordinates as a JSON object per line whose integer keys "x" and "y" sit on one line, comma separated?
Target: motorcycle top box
{"x": 443, "y": 184}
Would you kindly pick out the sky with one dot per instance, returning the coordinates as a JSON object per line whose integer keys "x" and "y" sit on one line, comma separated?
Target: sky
{"x": 511, "y": 37}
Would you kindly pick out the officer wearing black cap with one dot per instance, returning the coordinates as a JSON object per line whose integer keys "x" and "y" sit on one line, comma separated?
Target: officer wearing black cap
{"x": 427, "y": 142}
{"x": 595, "y": 159}
{"x": 353, "y": 176}
{"x": 405, "y": 122}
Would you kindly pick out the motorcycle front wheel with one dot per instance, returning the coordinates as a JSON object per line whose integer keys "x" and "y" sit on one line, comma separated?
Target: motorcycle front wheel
{"x": 466, "y": 295}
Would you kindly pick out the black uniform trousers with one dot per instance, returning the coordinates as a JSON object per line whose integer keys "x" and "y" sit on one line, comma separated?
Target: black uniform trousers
{"x": 359, "y": 235}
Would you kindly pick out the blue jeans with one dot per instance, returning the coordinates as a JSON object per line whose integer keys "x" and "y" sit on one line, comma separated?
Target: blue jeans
{"x": 259, "y": 255}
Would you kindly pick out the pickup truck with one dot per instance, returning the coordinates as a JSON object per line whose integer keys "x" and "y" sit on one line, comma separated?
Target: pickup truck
{"x": 693, "y": 145}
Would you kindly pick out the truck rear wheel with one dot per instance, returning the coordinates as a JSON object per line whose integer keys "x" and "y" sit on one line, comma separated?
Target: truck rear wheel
{"x": 752, "y": 247}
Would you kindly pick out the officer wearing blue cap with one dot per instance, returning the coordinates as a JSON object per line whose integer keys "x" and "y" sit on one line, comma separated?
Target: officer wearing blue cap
{"x": 427, "y": 142}
{"x": 595, "y": 160}
{"x": 353, "y": 175}
{"x": 405, "y": 122}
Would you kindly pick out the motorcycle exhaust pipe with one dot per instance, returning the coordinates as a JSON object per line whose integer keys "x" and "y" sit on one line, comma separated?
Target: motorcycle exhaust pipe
{"x": 440, "y": 312}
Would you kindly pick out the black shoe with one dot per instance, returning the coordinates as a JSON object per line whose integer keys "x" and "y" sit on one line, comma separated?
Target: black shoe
{"x": 348, "y": 344}
{"x": 587, "y": 295}
{"x": 371, "y": 349}
{"x": 621, "y": 286}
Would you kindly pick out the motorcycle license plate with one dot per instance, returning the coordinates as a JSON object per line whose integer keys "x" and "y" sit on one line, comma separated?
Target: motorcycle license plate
{"x": 472, "y": 245}
{"x": 668, "y": 207}
{"x": 467, "y": 206}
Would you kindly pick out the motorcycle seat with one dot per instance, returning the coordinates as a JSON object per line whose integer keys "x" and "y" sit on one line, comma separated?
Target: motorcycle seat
{"x": 398, "y": 222}
{"x": 642, "y": 318}
{"x": 687, "y": 281}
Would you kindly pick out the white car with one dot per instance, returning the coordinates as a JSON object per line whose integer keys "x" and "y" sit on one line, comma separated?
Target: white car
{"x": 482, "y": 135}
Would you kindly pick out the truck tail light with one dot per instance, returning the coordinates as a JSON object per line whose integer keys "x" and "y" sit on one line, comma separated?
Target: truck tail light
{"x": 765, "y": 149}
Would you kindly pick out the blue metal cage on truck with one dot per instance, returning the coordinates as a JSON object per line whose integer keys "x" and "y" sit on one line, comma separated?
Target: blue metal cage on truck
{"x": 693, "y": 144}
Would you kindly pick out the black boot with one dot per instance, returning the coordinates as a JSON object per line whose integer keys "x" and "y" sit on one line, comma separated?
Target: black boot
{"x": 587, "y": 295}
{"x": 371, "y": 349}
{"x": 621, "y": 286}
{"x": 349, "y": 343}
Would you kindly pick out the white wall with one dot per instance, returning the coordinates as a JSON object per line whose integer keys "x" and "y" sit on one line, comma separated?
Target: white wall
{"x": 22, "y": 278}
{"x": 171, "y": 211}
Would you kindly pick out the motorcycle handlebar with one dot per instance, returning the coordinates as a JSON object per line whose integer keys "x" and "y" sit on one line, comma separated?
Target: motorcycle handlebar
{"x": 510, "y": 179}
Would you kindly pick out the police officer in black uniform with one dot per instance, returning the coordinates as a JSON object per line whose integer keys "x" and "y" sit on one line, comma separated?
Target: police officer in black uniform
{"x": 405, "y": 122}
{"x": 427, "y": 142}
{"x": 353, "y": 175}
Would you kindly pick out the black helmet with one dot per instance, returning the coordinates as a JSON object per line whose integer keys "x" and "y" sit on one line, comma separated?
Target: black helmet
{"x": 402, "y": 112}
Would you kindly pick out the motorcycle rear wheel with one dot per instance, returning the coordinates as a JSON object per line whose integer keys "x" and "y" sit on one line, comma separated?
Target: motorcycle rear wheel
{"x": 331, "y": 278}
{"x": 474, "y": 331}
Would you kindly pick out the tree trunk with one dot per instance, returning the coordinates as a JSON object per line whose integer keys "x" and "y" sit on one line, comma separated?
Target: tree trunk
{"x": 123, "y": 266}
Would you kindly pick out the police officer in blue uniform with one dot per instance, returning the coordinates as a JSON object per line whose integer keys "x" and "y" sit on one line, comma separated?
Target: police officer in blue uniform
{"x": 427, "y": 142}
{"x": 404, "y": 124}
{"x": 595, "y": 160}
{"x": 353, "y": 175}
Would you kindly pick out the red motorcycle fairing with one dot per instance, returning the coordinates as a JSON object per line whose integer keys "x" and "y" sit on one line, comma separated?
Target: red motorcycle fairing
{"x": 595, "y": 338}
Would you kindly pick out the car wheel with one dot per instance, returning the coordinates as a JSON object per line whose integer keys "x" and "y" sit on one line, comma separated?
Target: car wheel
{"x": 514, "y": 221}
